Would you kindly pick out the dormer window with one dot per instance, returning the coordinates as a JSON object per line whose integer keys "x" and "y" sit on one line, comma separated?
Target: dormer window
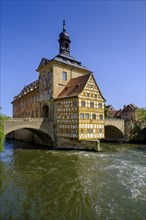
{"x": 78, "y": 85}
{"x": 64, "y": 75}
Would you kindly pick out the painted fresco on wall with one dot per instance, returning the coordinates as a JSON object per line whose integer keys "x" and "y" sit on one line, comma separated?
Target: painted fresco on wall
{"x": 45, "y": 86}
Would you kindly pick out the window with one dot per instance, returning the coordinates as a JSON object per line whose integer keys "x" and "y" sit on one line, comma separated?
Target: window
{"x": 74, "y": 116}
{"x": 36, "y": 113}
{"x": 82, "y": 103}
{"x": 58, "y": 105}
{"x": 89, "y": 130}
{"x": 94, "y": 116}
{"x": 100, "y": 105}
{"x": 91, "y": 104}
{"x": 64, "y": 76}
{"x": 74, "y": 103}
{"x": 101, "y": 117}
{"x": 81, "y": 115}
{"x": 32, "y": 114}
{"x": 67, "y": 131}
{"x": 82, "y": 131}
{"x": 74, "y": 131}
{"x": 37, "y": 98}
{"x": 100, "y": 130}
{"x": 86, "y": 116}
{"x": 66, "y": 46}
{"x": 61, "y": 130}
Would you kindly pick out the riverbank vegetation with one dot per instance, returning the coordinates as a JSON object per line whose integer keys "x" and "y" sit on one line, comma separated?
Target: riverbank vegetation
{"x": 2, "y": 134}
{"x": 139, "y": 122}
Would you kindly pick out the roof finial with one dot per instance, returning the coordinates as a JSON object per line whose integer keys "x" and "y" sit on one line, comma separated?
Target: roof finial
{"x": 64, "y": 25}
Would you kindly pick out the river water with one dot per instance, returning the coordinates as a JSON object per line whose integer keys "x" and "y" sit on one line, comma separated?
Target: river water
{"x": 41, "y": 184}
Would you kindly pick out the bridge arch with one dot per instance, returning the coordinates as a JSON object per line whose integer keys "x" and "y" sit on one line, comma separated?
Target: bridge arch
{"x": 113, "y": 133}
{"x": 40, "y": 130}
{"x": 31, "y": 135}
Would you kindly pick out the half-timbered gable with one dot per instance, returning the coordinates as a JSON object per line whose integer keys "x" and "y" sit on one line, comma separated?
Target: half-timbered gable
{"x": 91, "y": 111}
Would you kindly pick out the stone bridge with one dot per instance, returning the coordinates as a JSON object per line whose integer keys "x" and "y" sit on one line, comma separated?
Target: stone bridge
{"x": 118, "y": 123}
{"x": 40, "y": 130}
{"x": 115, "y": 129}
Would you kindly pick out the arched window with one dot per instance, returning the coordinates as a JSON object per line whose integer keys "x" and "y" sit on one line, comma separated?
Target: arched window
{"x": 64, "y": 75}
{"x": 66, "y": 46}
{"x": 45, "y": 111}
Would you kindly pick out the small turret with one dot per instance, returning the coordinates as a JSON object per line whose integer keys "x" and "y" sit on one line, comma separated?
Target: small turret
{"x": 64, "y": 41}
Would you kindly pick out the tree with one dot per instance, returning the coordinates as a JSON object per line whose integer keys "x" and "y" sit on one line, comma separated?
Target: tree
{"x": 140, "y": 121}
{"x": 105, "y": 110}
{"x": 2, "y": 134}
{"x": 140, "y": 116}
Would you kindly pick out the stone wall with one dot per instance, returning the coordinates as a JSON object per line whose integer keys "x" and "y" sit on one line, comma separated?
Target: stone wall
{"x": 68, "y": 143}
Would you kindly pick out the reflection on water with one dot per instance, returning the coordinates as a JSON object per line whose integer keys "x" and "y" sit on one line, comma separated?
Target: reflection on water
{"x": 72, "y": 185}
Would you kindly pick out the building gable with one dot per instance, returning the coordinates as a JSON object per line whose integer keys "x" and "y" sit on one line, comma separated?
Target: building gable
{"x": 43, "y": 62}
{"x": 110, "y": 108}
{"x": 91, "y": 89}
{"x": 130, "y": 107}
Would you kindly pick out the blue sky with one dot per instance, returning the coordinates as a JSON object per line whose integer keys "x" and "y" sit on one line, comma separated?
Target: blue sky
{"x": 108, "y": 37}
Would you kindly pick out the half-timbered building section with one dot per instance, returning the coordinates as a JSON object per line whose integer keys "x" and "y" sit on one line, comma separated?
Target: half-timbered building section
{"x": 67, "y": 117}
{"x": 26, "y": 104}
{"x": 91, "y": 112}
{"x": 80, "y": 109}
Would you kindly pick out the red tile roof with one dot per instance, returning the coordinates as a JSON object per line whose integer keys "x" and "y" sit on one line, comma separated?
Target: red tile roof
{"x": 74, "y": 87}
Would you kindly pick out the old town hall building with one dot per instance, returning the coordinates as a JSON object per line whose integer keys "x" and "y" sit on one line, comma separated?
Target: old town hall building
{"x": 66, "y": 93}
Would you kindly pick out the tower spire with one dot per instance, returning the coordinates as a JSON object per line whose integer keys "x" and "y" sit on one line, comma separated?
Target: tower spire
{"x": 64, "y": 29}
{"x": 64, "y": 41}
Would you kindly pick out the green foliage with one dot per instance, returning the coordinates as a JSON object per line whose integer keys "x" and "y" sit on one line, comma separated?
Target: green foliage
{"x": 140, "y": 116}
{"x": 2, "y": 134}
{"x": 140, "y": 121}
{"x": 105, "y": 110}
